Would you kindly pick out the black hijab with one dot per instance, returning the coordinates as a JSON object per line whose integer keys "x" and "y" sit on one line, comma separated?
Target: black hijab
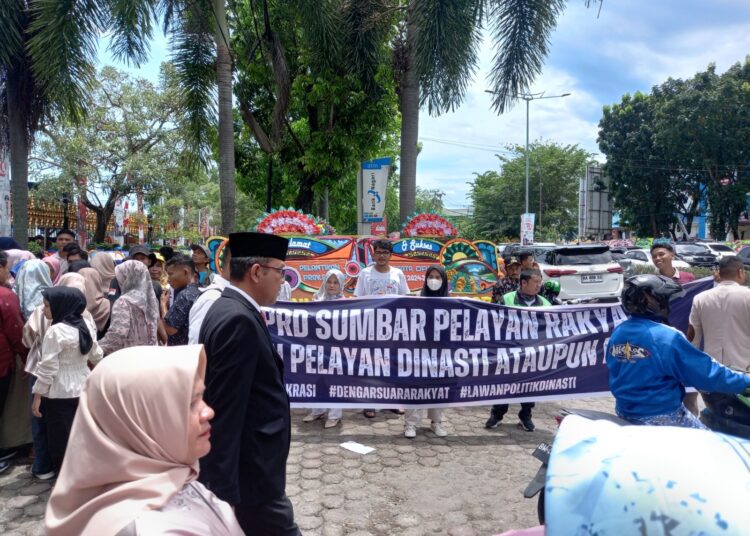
{"x": 6, "y": 242}
{"x": 67, "y": 305}
{"x": 442, "y": 292}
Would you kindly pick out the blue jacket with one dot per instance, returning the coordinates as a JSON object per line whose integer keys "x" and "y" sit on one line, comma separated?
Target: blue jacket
{"x": 650, "y": 364}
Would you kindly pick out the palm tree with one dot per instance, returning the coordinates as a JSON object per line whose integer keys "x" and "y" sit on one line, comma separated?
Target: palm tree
{"x": 202, "y": 56}
{"x": 47, "y": 55}
{"x": 436, "y": 57}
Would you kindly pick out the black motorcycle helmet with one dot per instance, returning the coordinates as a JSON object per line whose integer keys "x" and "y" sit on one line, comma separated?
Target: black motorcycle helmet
{"x": 639, "y": 288}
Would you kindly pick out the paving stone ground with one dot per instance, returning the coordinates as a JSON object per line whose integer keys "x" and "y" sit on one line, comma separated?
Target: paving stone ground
{"x": 469, "y": 483}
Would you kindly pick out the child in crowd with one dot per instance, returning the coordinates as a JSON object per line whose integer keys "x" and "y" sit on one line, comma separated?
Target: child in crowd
{"x": 436, "y": 286}
{"x": 68, "y": 345}
{"x": 332, "y": 289}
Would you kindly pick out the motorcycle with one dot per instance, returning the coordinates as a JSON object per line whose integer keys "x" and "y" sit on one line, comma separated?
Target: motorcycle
{"x": 544, "y": 450}
{"x": 728, "y": 414}
{"x": 724, "y": 413}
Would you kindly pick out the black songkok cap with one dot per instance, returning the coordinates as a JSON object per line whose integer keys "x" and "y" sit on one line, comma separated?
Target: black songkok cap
{"x": 258, "y": 245}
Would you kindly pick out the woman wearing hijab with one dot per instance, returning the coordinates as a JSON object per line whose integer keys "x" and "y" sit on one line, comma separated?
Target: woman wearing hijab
{"x": 104, "y": 263}
{"x": 54, "y": 268}
{"x": 68, "y": 346}
{"x": 16, "y": 259}
{"x": 142, "y": 413}
{"x": 33, "y": 335}
{"x": 7, "y": 242}
{"x": 97, "y": 302}
{"x": 435, "y": 286}
{"x": 32, "y": 279}
{"x": 331, "y": 289}
{"x": 135, "y": 315}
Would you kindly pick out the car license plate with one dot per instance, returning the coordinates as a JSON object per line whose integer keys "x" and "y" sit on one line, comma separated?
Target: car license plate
{"x": 592, "y": 278}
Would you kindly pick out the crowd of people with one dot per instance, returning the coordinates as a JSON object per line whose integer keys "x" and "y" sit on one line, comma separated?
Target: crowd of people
{"x": 157, "y": 362}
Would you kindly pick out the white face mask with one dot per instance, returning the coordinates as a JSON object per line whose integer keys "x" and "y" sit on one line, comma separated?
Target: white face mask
{"x": 434, "y": 284}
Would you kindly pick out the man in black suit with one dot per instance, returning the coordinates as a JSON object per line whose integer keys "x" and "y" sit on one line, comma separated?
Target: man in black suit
{"x": 245, "y": 385}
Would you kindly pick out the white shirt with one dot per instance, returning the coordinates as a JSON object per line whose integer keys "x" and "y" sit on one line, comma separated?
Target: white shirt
{"x": 373, "y": 283}
{"x": 62, "y": 369}
{"x": 201, "y": 306}
{"x": 721, "y": 316}
{"x": 285, "y": 292}
{"x": 247, "y": 297}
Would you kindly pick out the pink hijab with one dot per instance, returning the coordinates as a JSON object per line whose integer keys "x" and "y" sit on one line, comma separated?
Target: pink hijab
{"x": 128, "y": 448}
{"x": 97, "y": 302}
{"x": 54, "y": 267}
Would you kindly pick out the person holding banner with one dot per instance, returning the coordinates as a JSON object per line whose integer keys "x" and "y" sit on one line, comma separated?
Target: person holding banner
{"x": 381, "y": 279}
{"x": 245, "y": 385}
{"x": 527, "y": 295}
{"x": 331, "y": 289}
{"x": 435, "y": 286}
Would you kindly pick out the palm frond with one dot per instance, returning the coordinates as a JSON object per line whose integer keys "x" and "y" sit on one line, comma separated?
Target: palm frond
{"x": 194, "y": 57}
{"x": 520, "y": 30}
{"x": 62, "y": 48}
{"x": 448, "y": 38}
{"x": 321, "y": 25}
{"x": 131, "y": 24}
{"x": 11, "y": 33}
{"x": 364, "y": 31}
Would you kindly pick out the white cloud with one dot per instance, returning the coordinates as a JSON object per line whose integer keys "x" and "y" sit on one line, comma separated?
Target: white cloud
{"x": 632, "y": 46}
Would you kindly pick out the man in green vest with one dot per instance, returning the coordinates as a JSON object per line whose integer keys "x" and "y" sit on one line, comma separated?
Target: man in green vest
{"x": 526, "y": 296}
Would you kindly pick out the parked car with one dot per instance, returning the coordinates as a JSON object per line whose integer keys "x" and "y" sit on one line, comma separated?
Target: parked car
{"x": 719, "y": 249}
{"x": 744, "y": 254}
{"x": 642, "y": 257}
{"x": 539, "y": 249}
{"x": 695, "y": 254}
{"x": 584, "y": 272}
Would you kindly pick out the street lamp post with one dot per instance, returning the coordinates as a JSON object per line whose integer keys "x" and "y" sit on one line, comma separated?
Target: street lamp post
{"x": 528, "y": 97}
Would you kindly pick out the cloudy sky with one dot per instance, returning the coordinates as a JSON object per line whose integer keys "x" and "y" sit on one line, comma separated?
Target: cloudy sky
{"x": 632, "y": 46}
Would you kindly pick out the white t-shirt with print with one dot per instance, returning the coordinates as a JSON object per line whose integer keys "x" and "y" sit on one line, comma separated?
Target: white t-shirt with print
{"x": 374, "y": 283}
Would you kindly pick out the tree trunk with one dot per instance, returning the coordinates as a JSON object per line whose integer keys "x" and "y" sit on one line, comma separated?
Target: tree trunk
{"x": 409, "y": 124}
{"x": 305, "y": 197}
{"x": 101, "y": 225}
{"x": 323, "y": 204}
{"x": 226, "y": 124}
{"x": 19, "y": 160}
{"x": 269, "y": 182}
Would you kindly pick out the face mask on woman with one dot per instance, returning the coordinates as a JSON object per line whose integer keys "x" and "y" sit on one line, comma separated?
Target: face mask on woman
{"x": 434, "y": 284}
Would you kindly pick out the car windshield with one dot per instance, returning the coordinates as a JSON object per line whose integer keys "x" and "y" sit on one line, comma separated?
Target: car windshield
{"x": 582, "y": 256}
{"x": 721, "y": 247}
{"x": 691, "y": 249}
{"x": 540, "y": 253}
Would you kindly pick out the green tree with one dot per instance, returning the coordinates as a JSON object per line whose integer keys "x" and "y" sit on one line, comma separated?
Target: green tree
{"x": 686, "y": 140}
{"x": 499, "y": 198}
{"x": 128, "y": 143}
{"x": 642, "y": 186}
{"x": 703, "y": 123}
{"x": 340, "y": 102}
{"x": 47, "y": 55}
